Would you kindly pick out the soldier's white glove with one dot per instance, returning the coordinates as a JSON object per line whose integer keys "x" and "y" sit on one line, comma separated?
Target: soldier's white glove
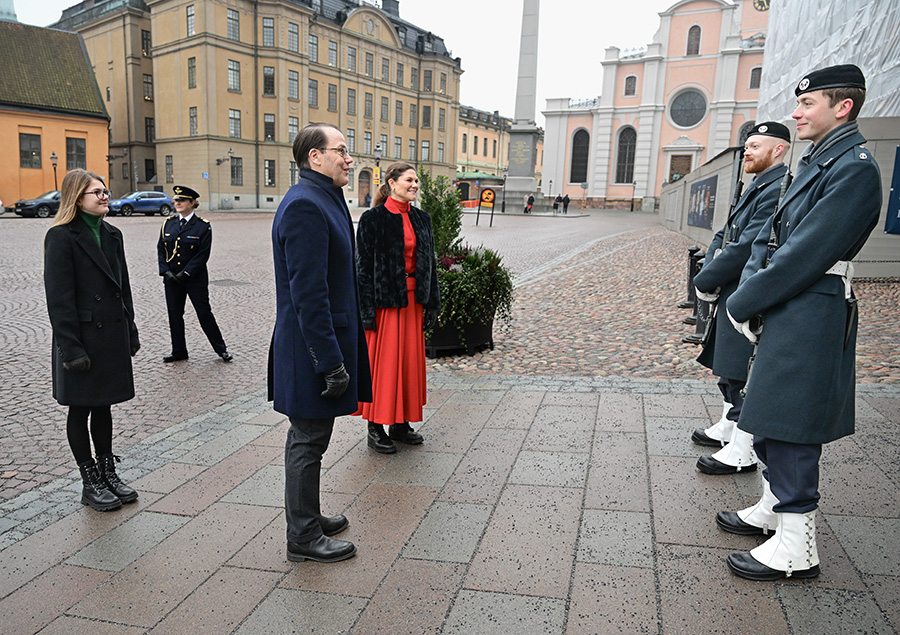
{"x": 707, "y": 297}
{"x": 744, "y": 328}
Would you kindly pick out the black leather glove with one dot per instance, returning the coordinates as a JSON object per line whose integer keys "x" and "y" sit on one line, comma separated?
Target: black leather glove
{"x": 181, "y": 277}
{"x": 79, "y": 364}
{"x": 431, "y": 317}
{"x": 336, "y": 382}
{"x": 168, "y": 277}
{"x": 369, "y": 325}
{"x": 134, "y": 349}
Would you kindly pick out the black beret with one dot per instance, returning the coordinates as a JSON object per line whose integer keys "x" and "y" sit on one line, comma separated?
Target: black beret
{"x": 841, "y": 76}
{"x": 772, "y": 129}
{"x": 183, "y": 191}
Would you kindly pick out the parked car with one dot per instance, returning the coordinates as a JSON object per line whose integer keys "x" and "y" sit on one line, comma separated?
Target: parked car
{"x": 44, "y": 206}
{"x": 148, "y": 203}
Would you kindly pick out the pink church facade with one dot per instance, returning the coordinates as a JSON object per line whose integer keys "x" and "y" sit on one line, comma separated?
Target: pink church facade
{"x": 664, "y": 109}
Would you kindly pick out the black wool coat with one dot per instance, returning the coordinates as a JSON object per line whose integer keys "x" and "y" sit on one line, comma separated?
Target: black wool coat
{"x": 91, "y": 313}
{"x": 380, "y": 262}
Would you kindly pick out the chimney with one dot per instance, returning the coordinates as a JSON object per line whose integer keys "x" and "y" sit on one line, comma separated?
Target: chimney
{"x": 391, "y": 7}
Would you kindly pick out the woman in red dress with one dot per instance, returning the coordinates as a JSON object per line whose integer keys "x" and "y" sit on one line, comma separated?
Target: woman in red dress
{"x": 398, "y": 292}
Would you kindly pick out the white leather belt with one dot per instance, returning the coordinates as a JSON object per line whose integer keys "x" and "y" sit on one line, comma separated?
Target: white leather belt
{"x": 844, "y": 269}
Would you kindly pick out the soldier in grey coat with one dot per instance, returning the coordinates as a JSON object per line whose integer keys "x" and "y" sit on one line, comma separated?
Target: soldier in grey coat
{"x": 796, "y": 302}
{"x": 727, "y": 351}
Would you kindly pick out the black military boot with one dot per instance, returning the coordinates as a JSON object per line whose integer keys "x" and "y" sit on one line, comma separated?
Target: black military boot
{"x": 95, "y": 492}
{"x": 107, "y": 464}
{"x": 378, "y": 440}
{"x": 404, "y": 433}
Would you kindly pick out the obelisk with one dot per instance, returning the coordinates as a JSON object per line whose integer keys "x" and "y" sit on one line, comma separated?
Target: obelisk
{"x": 524, "y": 132}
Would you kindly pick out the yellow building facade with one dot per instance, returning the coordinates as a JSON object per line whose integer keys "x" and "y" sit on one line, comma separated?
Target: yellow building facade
{"x": 233, "y": 83}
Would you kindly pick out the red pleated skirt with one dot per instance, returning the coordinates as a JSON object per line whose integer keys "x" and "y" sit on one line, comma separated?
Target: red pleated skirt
{"x": 397, "y": 360}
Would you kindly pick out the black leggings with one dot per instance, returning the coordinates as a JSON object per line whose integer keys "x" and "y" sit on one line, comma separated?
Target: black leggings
{"x": 77, "y": 431}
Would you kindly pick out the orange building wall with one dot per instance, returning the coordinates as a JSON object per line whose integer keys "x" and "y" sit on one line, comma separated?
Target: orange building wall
{"x": 17, "y": 182}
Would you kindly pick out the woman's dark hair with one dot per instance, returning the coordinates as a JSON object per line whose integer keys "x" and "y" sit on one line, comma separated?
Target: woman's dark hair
{"x": 392, "y": 173}
{"x": 312, "y": 136}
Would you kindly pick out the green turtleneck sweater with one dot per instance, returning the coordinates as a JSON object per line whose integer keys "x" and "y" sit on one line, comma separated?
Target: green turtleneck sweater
{"x": 93, "y": 223}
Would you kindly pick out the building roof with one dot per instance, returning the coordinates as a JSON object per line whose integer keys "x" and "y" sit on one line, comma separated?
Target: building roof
{"x": 47, "y": 69}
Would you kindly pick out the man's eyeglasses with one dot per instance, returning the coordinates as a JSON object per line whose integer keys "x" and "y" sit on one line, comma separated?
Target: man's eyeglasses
{"x": 344, "y": 152}
{"x": 100, "y": 193}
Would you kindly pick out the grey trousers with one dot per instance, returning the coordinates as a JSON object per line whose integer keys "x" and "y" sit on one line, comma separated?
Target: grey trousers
{"x": 307, "y": 440}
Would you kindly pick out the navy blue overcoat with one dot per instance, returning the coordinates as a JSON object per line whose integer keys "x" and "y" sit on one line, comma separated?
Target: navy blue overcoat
{"x": 317, "y": 326}
{"x": 802, "y": 386}
{"x": 727, "y": 351}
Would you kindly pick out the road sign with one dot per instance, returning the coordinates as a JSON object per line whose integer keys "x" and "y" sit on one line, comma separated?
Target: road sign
{"x": 487, "y": 197}
{"x": 376, "y": 176}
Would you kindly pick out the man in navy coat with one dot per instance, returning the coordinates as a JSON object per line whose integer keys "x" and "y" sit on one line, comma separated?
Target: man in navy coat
{"x": 795, "y": 300}
{"x": 318, "y": 361}
{"x": 727, "y": 351}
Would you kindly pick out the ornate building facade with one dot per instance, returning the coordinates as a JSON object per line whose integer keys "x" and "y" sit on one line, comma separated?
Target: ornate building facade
{"x": 664, "y": 109}
{"x": 212, "y": 94}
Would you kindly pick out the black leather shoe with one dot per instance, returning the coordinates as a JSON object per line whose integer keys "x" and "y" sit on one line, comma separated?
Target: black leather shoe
{"x": 700, "y": 438}
{"x": 226, "y": 356}
{"x": 732, "y": 523}
{"x": 322, "y": 549}
{"x": 709, "y": 465}
{"x": 378, "y": 440}
{"x": 334, "y": 525}
{"x": 746, "y": 566}
{"x": 404, "y": 433}
{"x": 175, "y": 357}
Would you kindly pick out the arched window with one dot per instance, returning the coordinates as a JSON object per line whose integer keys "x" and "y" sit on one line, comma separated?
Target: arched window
{"x": 745, "y": 132}
{"x": 630, "y": 86}
{"x": 693, "y": 41}
{"x": 755, "y": 76}
{"x": 581, "y": 142}
{"x": 625, "y": 155}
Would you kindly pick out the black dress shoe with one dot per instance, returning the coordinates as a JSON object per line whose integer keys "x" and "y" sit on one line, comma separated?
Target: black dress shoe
{"x": 378, "y": 440}
{"x": 322, "y": 549}
{"x": 334, "y": 525}
{"x": 709, "y": 465}
{"x": 746, "y": 566}
{"x": 700, "y": 438}
{"x": 732, "y": 523}
{"x": 175, "y": 357}
{"x": 226, "y": 356}
{"x": 404, "y": 433}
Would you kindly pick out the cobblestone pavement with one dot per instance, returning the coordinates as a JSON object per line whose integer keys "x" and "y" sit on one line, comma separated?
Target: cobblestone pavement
{"x": 595, "y": 295}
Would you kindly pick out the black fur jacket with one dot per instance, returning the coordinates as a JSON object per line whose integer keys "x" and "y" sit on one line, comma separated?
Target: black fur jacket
{"x": 380, "y": 266}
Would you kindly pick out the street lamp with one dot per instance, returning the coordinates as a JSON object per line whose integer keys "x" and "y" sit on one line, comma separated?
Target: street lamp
{"x": 220, "y": 162}
{"x": 376, "y": 177}
{"x": 53, "y": 161}
{"x": 551, "y": 187}
{"x": 633, "y": 188}
{"x": 503, "y": 204}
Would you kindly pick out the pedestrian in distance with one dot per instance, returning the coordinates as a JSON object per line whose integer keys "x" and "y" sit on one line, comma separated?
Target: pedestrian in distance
{"x": 556, "y": 203}
{"x": 399, "y": 299}
{"x": 726, "y": 351}
{"x": 795, "y": 302}
{"x": 94, "y": 335}
{"x": 318, "y": 362}
{"x": 565, "y": 203}
{"x": 185, "y": 241}
{"x": 529, "y": 203}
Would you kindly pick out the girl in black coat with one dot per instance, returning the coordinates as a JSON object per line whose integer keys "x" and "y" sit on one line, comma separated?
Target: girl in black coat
{"x": 94, "y": 335}
{"x": 397, "y": 276}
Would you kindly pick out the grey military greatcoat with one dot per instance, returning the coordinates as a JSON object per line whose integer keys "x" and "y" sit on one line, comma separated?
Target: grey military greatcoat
{"x": 802, "y": 386}
{"x": 728, "y": 351}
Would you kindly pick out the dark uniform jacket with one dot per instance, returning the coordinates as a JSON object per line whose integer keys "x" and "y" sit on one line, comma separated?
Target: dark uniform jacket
{"x": 91, "y": 313}
{"x": 185, "y": 248}
{"x": 727, "y": 351}
{"x": 317, "y": 326}
{"x": 381, "y": 263}
{"x": 802, "y": 386}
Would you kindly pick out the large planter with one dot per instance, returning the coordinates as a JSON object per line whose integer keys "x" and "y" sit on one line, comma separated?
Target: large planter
{"x": 446, "y": 340}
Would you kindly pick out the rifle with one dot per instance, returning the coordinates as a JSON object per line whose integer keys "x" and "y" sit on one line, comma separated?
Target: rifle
{"x": 757, "y": 322}
{"x": 737, "y": 175}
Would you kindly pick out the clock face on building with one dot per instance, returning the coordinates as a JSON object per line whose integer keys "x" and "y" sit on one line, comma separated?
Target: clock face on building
{"x": 761, "y": 5}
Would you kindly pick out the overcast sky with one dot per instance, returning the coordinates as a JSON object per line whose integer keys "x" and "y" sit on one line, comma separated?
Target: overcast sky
{"x": 485, "y": 34}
